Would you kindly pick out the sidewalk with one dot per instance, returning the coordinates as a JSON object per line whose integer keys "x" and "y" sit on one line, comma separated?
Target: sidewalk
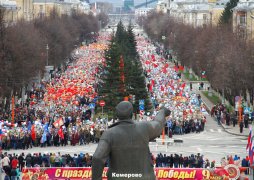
{"x": 229, "y": 129}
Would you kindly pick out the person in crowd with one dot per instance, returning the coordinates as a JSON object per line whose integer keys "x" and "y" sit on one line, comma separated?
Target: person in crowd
{"x": 246, "y": 163}
{"x": 241, "y": 127}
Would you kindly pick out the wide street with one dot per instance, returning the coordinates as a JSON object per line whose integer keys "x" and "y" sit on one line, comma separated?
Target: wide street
{"x": 214, "y": 143}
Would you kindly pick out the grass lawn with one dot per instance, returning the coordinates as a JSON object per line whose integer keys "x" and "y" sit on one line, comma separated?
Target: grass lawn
{"x": 193, "y": 78}
{"x": 214, "y": 99}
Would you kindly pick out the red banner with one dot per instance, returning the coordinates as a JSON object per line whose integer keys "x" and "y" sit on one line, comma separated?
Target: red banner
{"x": 76, "y": 173}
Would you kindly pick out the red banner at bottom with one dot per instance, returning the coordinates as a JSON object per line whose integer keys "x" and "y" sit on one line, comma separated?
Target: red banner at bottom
{"x": 229, "y": 172}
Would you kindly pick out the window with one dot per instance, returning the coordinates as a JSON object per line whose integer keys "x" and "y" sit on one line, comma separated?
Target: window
{"x": 41, "y": 8}
{"x": 242, "y": 20}
{"x": 204, "y": 17}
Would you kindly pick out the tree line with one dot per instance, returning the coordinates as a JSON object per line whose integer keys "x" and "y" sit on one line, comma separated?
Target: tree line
{"x": 227, "y": 59}
{"x": 122, "y": 74}
{"x": 26, "y": 46}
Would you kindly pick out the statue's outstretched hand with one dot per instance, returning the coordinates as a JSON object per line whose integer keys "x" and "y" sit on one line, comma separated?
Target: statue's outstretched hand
{"x": 166, "y": 110}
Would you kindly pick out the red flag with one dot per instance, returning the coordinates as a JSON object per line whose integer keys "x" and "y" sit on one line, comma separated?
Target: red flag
{"x": 164, "y": 70}
{"x": 152, "y": 82}
{"x": 181, "y": 93}
{"x": 155, "y": 65}
{"x": 33, "y": 133}
{"x": 148, "y": 62}
{"x": 60, "y": 133}
{"x": 153, "y": 57}
{"x": 151, "y": 88}
{"x": 181, "y": 68}
{"x": 183, "y": 85}
{"x": 58, "y": 123}
{"x": 166, "y": 65}
{"x": 249, "y": 139}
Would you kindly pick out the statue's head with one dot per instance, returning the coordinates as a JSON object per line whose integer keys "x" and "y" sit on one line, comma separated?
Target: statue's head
{"x": 124, "y": 110}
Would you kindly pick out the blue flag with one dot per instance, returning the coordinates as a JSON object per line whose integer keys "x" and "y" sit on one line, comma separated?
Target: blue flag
{"x": 29, "y": 125}
{"x": 44, "y": 137}
{"x": 46, "y": 127}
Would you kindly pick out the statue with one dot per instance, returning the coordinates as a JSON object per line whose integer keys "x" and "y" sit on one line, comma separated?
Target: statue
{"x": 126, "y": 144}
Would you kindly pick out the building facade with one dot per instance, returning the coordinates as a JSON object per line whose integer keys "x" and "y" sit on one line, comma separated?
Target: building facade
{"x": 32, "y": 9}
{"x": 142, "y": 11}
{"x": 197, "y": 13}
{"x": 243, "y": 19}
{"x": 10, "y": 11}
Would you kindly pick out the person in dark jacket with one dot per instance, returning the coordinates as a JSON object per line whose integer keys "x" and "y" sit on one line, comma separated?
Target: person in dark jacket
{"x": 21, "y": 161}
{"x": 241, "y": 127}
{"x": 29, "y": 160}
{"x": 126, "y": 144}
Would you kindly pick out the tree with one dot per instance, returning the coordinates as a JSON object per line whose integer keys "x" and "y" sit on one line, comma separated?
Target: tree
{"x": 23, "y": 46}
{"x": 122, "y": 57}
{"x": 110, "y": 78}
{"x": 226, "y": 16}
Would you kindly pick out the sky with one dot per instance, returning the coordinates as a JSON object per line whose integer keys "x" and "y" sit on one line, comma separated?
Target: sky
{"x": 118, "y": 2}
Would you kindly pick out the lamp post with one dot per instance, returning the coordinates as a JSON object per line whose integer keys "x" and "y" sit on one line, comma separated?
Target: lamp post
{"x": 47, "y": 48}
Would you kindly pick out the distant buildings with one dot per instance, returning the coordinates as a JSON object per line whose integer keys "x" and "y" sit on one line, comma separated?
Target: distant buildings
{"x": 207, "y": 12}
{"x": 142, "y": 11}
{"x": 193, "y": 12}
{"x": 32, "y": 9}
{"x": 243, "y": 19}
{"x": 101, "y": 7}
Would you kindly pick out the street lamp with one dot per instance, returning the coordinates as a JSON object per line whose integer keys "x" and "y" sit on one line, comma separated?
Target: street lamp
{"x": 47, "y": 48}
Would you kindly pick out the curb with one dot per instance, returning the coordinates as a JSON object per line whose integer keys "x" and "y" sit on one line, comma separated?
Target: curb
{"x": 224, "y": 128}
{"x": 209, "y": 110}
{"x": 236, "y": 134}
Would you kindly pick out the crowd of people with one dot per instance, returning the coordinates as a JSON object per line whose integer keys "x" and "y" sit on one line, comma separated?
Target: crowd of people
{"x": 166, "y": 86}
{"x": 222, "y": 115}
{"x": 58, "y": 111}
{"x": 13, "y": 164}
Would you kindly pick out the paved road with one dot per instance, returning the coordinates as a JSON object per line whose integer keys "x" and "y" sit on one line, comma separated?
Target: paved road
{"x": 214, "y": 143}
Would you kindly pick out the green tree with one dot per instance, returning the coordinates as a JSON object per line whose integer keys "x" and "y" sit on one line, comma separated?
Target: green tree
{"x": 110, "y": 77}
{"x": 226, "y": 17}
{"x": 123, "y": 44}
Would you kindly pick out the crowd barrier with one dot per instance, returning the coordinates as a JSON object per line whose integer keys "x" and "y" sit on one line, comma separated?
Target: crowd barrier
{"x": 229, "y": 172}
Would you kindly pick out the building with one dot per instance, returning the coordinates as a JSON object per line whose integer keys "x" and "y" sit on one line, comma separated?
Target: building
{"x": 193, "y": 12}
{"x": 216, "y": 11}
{"x": 163, "y": 6}
{"x": 43, "y": 8}
{"x": 142, "y": 11}
{"x": 243, "y": 19}
{"x": 25, "y": 9}
{"x": 128, "y": 5}
{"x": 10, "y": 10}
{"x": 101, "y": 7}
{"x": 31, "y": 9}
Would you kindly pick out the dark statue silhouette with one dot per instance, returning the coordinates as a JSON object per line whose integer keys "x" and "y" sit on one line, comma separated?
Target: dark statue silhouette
{"x": 126, "y": 144}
